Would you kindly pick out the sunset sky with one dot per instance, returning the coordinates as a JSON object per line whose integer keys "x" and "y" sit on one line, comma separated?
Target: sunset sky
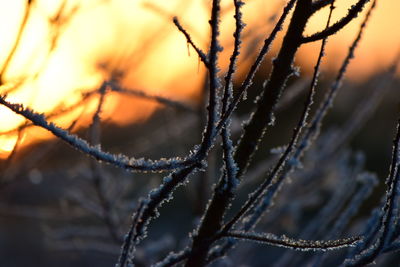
{"x": 61, "y": 56}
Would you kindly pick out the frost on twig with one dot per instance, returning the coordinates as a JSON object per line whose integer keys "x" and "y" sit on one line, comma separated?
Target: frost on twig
{"x": 96, "y": 152}
{"x": 199, "y": 52}
{"x": 289, "y": 150}
{"x": 351, "y": 15}
{"x": 303, "y": 245}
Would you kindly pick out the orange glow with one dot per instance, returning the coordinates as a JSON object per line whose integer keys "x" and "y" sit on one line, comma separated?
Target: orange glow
{"x": 7, "y": 145}
{"x": 69, "y": 49}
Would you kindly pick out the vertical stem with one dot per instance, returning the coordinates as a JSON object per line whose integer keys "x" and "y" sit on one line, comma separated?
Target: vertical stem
{"x": 282, "y": 69}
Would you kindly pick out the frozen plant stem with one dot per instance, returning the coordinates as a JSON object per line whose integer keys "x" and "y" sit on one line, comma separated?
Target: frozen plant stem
{"x": 282, "y": 70}
{"x": 256, "y": 65}
{"x": 259, "y": 193}
{"x": 254, "y": 131}
{"x": 304, "y": 245}
{"x": 200, "y": 53}
{"x": 290, "y": 149}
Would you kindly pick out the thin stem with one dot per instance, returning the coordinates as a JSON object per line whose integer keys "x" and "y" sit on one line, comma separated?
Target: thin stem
{"x": 113, "y": 86}
{"x": 303, "y": 245}
{"x": 96, "y": 152}
{"x": 10, "y": 55}
{"x": 351, "y": 15}
{"x": 199, "y": 251}
{"x": 199, "y": 52}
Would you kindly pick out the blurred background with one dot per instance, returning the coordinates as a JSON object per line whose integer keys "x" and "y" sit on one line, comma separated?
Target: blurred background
{"x": 57, "y": 56}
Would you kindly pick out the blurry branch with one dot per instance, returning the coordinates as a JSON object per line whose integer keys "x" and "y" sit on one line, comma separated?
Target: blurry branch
{"x": 390, "y": 212}
{"x": 94, "y": 128}
{"x": 150, "y": 37}
{"x": 114, "y": 87}
{"x": 291, "y": 94}
{"x": 5, "y": 177}
{"x": 86, "y": 203}
{"x": 57, "y": 24}
{"x": 59, "y": 20}
{"x": 17, "y": 41}
{"x": 77, "y": 232}
{"x": 15, "y": 148}
{"x": 99, "y": 177}
{"x": 81, "y": 245}
{"x": 34, "y": 212}
{"x": 344, "y": 193}
{"x": 368, "y": 181}
{"x": 366, "y": 108}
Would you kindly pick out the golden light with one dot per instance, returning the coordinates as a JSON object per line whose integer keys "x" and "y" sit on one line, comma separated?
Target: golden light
{"x": 68, "y": 48}
{"x": 7, "y": 145}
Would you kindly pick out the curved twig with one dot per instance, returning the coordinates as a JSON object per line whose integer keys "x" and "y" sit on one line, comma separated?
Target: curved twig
{"x": 352, "y": 14}
{"x": 303, "y": 245}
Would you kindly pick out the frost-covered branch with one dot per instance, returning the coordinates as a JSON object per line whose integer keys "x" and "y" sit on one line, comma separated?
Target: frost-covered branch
{"x": 351, "y": 15}
{"x": 290, "y": 149}
{"x": 119, "y": 160}
{"x": 303, "y": 245}
{"x": 199, "y": 52}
